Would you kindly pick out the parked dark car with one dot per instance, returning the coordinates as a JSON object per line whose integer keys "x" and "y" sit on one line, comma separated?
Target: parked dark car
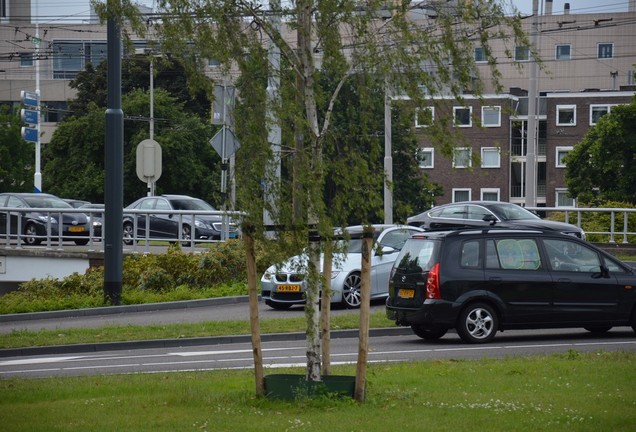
{"x": 483, "y": 281}
{"x": 95, "y": 213}
{"x": 76, "y": 203}
{"x": 34, "y": 224}
{"x": 174, "y": 226}
{"x": 487, "y": 213}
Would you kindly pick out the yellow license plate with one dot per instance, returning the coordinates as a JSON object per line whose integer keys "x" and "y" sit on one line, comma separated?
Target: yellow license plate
{"x": 76, "y": 229}
{"x": 288, "y": 288}
{"x": 406, "y": 293}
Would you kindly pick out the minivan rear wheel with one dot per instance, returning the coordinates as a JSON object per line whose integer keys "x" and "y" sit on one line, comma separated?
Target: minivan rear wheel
{"x": 428, "y": 332}
{"x": 478, "y": 323}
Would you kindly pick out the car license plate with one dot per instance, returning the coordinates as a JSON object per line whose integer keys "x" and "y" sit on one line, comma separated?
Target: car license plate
{"x": 288, "y": 288}
{"x": 233, "y": 235}
{"x": 406, "y": 293}
{"x": 76, "y": 229}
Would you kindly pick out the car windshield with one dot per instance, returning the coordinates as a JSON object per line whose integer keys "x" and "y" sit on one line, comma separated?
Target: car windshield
{"x": 509, "y": 212}
{"x": 191, "y": 204}
{"x": 46, "y": 202}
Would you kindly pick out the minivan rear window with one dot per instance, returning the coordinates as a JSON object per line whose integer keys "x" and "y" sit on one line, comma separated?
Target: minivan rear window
{"x": 417, "y": 255}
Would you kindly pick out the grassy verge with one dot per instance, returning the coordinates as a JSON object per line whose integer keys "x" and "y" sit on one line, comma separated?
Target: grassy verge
{"x": 25, "y": 338}
{"x": 565, "y": 392}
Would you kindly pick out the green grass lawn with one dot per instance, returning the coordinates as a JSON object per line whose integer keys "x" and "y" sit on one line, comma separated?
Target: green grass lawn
{"x": 566, "y": 392}
{"x": 26, "y": 338}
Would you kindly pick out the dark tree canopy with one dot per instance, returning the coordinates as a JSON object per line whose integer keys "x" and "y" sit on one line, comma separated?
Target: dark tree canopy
{"x": 603, "y": 165}
{"x": 73, "y": 163}
{"x": 16, "y": 155}
{"x": 91, "y": 84}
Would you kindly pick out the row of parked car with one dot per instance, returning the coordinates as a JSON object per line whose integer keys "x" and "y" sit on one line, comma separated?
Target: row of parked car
{"x": 478, "y": 268}
{"x": 164, "y": 217}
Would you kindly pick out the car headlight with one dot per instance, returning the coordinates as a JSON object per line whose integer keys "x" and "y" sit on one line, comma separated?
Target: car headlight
{"x": 200, "y": 224}
{"x": 268, "y": 276}
{"x": 45, "y": 219}
{"x": 334, "y": 274}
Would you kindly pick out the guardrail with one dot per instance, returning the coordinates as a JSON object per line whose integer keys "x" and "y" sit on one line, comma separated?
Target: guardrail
{"x": 42, "y": 226}
{"x": 619, "y": 219}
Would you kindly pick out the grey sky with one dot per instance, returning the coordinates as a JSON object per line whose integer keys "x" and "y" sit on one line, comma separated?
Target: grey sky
{"x": 52, "y": 11}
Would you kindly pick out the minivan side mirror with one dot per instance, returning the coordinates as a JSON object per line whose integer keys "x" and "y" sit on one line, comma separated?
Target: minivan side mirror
{"x": 603, "y": 273}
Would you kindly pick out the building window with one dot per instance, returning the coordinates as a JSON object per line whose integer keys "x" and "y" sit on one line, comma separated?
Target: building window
{"x": 490, "y": 194}
{"x": 596, "y": 112}
{"x": 563, "y": 52}
{"x": 522, "y": 53}
{"x": 566, "y": 115}
{"x": 214, "y": 63}
{"x": 491, "y": 116}
{"x": 71, "y": 57}
{"x": 462, "y": 157}
{"x": 561, "y": 153}
{"x": 605, "y": 50}
{"x": 461, "y": 194}
{"x": 480, "y": 55}
{"x": 426, "y": 157}
{"x": 463, "y": 116}
{"x": 490, "y": 157}
{"x": 563, "y": 199}
{"x": 26, "y": 59}
{"x": 424, "y": 116}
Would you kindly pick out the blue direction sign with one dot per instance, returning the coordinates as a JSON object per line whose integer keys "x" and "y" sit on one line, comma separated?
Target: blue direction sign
{"x": 28, "y": 98}
{"x": 30, "y": 134}
{"x": 29, "y": 116}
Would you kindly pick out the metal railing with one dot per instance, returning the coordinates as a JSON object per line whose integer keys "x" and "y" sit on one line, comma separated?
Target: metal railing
{"x": 619, "y": 220}
{"x": 15, "y": 222}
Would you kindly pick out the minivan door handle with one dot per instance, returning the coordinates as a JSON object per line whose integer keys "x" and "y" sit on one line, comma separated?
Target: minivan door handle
{"x": 564, "y": 280}
{"x": 495, "y": 279}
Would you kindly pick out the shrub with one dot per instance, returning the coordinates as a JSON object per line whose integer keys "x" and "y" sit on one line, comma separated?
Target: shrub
{"x": 175, "y": 275}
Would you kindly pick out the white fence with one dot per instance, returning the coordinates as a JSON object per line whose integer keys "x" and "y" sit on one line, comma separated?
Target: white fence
{"x": 21, "y": 228}
{"x": 618, "y": 231}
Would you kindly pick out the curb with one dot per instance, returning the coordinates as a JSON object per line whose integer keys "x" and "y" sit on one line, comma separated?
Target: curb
{"x": 168, "y": 343}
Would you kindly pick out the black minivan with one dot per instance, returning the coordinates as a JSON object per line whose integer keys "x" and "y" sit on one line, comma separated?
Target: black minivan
{"x": 480, "y": 281}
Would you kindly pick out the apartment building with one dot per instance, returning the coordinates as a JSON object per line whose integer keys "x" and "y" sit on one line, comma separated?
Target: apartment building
{"x": 494, "y": 129}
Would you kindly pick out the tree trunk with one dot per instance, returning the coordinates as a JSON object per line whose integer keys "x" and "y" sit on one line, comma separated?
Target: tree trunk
{"x": 312, "y": 313}
{"x": 365, "y": 306}
{"x": 325, "y": 311}
{"x": 252, "y": 285}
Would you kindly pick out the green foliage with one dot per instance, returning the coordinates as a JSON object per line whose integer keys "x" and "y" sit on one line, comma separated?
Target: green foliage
{"x": 603, "y": 165}
{"x": 16, "y": 155}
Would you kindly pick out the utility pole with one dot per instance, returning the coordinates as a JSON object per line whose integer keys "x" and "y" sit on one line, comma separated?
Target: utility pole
{"x": 531, "y": 137}
{"x": 37, "y": 178}
{"x": 114, "y": 158}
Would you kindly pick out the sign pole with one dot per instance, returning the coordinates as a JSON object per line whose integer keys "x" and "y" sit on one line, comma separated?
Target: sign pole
{"x": 37, "y": 178}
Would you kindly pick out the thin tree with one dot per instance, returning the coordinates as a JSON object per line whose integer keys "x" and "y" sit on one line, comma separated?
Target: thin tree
{"x": 421, "y": 49}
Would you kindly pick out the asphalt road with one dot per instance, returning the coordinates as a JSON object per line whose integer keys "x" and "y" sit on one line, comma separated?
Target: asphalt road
{"x": 292, "y": 353}
{"x": 222, "y": 309}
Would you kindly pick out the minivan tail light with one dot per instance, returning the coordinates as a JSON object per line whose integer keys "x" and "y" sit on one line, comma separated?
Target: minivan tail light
{"x": 432, "y": 283}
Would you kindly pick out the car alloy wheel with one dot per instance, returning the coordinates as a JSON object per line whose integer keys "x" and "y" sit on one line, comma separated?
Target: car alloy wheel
{"x": 31, "y": 235}
{"x": 351, "y": 296}
{"x": 478, "y": 323}
{"x": 129, "y": 234}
